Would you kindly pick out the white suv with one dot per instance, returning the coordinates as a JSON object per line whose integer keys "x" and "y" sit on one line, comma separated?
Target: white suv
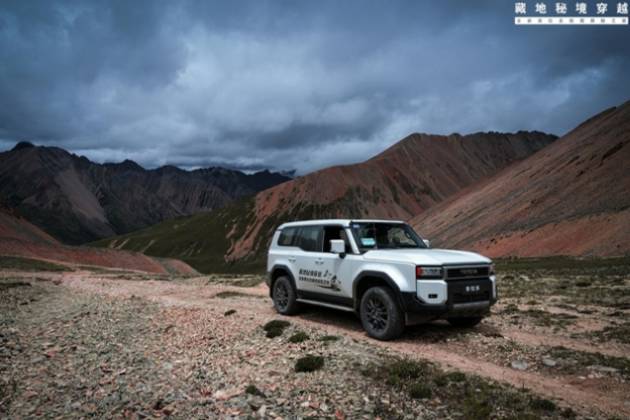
{"x": 381, "y": 270}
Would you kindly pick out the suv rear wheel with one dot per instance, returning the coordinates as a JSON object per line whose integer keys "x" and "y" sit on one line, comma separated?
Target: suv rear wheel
{"x": 284, "y": 296}
{"x": 465, "y": 322}
{"x": 380, "y": 314}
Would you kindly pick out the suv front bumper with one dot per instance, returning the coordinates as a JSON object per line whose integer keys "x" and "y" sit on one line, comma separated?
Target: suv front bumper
{"x": 464, "y": 298}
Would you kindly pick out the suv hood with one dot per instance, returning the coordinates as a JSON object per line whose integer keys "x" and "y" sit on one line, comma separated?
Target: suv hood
{"x": 426, "y": 256}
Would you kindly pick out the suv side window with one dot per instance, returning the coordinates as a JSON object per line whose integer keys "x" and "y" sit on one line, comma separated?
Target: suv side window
{"x": 310, "y": 238}
{"x": 287, "y": 236}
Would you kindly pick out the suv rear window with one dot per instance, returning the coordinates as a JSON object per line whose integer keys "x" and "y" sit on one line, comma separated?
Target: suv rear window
{"x": 287, "y": 236}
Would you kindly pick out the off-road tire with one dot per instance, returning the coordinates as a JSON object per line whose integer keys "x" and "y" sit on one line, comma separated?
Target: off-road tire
{"x": 284, "y": 296}
{"x": 465, "y": 322}
{"x": 380, "y": 314}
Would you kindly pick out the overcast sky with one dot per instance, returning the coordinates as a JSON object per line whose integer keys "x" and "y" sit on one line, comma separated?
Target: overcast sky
{"x": 290, "y": 84}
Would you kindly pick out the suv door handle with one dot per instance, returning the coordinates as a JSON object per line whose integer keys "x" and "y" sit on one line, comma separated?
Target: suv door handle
{"x": 291, "y": 259}
{"x": 319, "y": 261}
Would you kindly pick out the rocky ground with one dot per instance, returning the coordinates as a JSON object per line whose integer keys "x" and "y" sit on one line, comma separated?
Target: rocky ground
{"x": 93, "y": 342}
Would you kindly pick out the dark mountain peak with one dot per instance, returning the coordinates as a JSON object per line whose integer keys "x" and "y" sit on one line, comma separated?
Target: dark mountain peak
{"x": 23, "y": 145}
{"x": 130, "y": 165}
{"x": 168, "y": 169}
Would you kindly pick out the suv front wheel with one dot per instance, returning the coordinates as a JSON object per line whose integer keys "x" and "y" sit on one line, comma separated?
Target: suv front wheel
{"x": 284, "y": 296}
{"x": 380, "y": 314}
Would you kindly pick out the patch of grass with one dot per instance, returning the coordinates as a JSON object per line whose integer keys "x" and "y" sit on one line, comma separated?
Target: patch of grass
{"x": 275, "y": 328}
{"x": 419, "y": 390}
{"x": 230, "y": 294}
{"x": 455, "y": 376}
{"x": 229, "y": 312}
{"x": 236, "y": 280}
{"x": 28, "y": 264}
{"x": 253, "y": 390}
{"x": 575, "y": 362}
{"x": 6, "y": 285}
{"x": 400, "y": 372}
{"x": 309, "y": 363}
{"x": 564, "y": 265}
{"x": 543, "y": 404}
{"x": 298, "y": 337}
{"x": 329, "y": 338}
{"x": 473, "y": 396}
{"x": 476, "y": 407}
{"x": 619, "y": 333}
{"x": 540, "y": 317}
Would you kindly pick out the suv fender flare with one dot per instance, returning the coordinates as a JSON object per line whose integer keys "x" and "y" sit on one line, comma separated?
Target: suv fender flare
{"x": 286, "y": 270}
{"x": 375, "y": 275}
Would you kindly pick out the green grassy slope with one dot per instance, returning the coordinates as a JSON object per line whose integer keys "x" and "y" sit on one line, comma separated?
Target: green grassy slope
{"x": 203, "y": 239}
{"x": 199, "y": 240}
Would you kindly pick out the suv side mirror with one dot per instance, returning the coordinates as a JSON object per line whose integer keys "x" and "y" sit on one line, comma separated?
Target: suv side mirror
{"x": 338, "y": 246}
{"x": 427, "y": 243}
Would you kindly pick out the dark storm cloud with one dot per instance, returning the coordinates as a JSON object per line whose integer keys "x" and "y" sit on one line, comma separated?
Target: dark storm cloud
{"x": 284, "y": 84}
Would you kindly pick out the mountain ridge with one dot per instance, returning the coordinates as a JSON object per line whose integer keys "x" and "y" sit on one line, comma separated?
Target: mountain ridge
{"x": 405, "y": 179}
{"x": 77, "y": 200}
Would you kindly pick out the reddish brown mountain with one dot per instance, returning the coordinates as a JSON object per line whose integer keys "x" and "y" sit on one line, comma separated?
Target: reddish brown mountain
{"x": 571, "y": 198}
{"x": 20, "y": 238}
{"x": 411, "y": 176}
{"x": 77, "y": 201}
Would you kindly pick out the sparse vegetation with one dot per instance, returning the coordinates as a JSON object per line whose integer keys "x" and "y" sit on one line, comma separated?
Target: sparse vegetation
{"x": 309, "y": 363}
{"x": 230, "y": 294}
{"x": 574, "y": 361}
{"x": 328, "y": 338}
{"x": 229, "y": 312}
{"x": 419, "y": 390}
{"x": 475, "y": 397}
{"x": 28, "y": 264}
{"x": 299, "y": 337}
{"x": 5, "y": 285}
{"x": 559, "y": 265}
{"x": 275, "y": 328}
{"x": 619, "y": 333}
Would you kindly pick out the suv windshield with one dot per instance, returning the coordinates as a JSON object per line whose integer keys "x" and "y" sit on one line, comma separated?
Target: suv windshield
{"x": 385, "y": 236}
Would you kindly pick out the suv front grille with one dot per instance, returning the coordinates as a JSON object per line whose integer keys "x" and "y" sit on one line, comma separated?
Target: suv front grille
{"x": 469, "y": 272}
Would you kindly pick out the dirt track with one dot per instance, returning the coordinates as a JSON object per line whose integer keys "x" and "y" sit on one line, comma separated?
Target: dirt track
{"x": 480, "y": 351}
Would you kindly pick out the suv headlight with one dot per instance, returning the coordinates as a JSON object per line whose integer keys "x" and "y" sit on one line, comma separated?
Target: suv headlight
{"x": 491, "y": 272}
{"x": 429, "y": 272}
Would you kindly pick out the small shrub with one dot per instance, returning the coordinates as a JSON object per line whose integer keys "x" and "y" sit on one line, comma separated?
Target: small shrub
{"x": 229, "y": 312}
{"x": 419, "y": 390}
{"x": 328, "y": 338}
{"x": 402, "y": 370}
{"x": 253, "y": 390}
{"x": 309, "y": 363}
{"x": 275, "y": 328}
{"x": 230, "y": 294}
{"x": 441, "y": 380}
{"x": 455, "y": 377}
{"x": 543, "y": 404}
{"x": 298, "y": 337}
{"x": 476, "y": 409}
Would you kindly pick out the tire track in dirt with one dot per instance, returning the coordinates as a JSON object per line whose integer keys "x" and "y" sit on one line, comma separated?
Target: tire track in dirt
{"x": 586, "y": 394}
